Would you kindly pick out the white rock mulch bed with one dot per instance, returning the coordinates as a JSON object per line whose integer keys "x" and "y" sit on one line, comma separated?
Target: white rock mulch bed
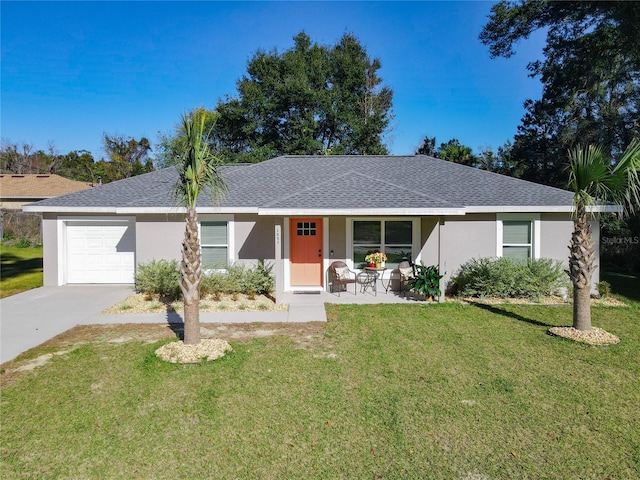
{"x": 208, "y": 349}
{"x": 594, "y": 336}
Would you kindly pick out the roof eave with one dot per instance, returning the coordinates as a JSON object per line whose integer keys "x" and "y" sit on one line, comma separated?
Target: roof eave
{"x": 58, "y": 209}
{"x": 133, "y": 210}
{"x": 290, "y": 212}
{"x": 519, "y": 209}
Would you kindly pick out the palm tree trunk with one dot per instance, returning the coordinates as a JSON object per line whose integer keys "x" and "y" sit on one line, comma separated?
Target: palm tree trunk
{"x": 191, "y": 274}
{"x": 581, "y": 269}
{"x": 582, "y": 308}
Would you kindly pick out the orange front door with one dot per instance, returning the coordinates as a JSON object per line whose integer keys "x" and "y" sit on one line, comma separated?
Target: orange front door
{"x": 306, "y": 251}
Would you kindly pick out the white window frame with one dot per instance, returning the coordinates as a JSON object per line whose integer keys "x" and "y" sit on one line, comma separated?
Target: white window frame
{"x": 534, "y": 218}
{"x": 415, "y": 236}
{"x": 229, "y": 219}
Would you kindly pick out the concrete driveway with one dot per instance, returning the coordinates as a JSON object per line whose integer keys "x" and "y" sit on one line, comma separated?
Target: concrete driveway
{"x": 33, "y": 317}
{"x": 30, "y": 318}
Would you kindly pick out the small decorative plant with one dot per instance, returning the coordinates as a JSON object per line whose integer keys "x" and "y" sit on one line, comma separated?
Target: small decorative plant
{"x": 604, "y": 289}
{"x": 375, "y": 258}
{"x": 426, "y": 281}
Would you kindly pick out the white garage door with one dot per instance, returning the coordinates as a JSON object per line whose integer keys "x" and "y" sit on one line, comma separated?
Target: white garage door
{"x": 100, "y": 252}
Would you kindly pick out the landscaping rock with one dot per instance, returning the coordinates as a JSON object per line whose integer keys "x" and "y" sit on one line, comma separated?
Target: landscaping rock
{"x": 594, "y": 336}
{"x": 208, "y": 349}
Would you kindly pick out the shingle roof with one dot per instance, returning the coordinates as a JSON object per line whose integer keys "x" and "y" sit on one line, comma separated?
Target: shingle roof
{"x": 37, "y": 186}
{"x": 331, "y": 184}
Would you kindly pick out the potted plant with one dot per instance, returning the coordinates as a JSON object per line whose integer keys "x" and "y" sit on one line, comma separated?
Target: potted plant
{"x": 375, "y": 259}
{"x": 426, "y": 281}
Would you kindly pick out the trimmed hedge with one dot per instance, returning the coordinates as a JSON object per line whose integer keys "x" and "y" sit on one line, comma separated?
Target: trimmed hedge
{"x": 509, "y": 278}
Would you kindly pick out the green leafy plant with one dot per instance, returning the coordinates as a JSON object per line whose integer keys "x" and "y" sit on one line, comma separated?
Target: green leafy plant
{"x": 160, "y": 277}
{"x": 24, "y": 242}
{"x": 239, "y": 278}
{"x": 604, "y": 289}
{"x": 426, "y": 281}
{"x": 508, "y": 278}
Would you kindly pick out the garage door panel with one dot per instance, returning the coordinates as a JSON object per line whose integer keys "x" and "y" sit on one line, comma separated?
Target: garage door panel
{"x": 100, "y": 252}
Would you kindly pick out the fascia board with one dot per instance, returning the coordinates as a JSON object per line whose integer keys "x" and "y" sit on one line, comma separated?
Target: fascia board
{"x": 52, "y": 209}
{"x": 199, "y": 210}
{"x": 520, "y": 209}
{"x": 132, "y": 210}
{"x": 360, "y": 212}
{"x": 541, "y": 209}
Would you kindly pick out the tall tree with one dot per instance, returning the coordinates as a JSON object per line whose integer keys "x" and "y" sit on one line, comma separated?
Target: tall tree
{"x": 78, "y": 165}
{"x": 23, "y": 159}
{"x": 129, "y": 156}
{"x": 454, "y": 151}
{"x": 595, "y": 181}
{"x": 428, "y": 147}
{"x": 198, "y": 172}
{"x": 590, "y": 75}
{"x": 309, "y": 99}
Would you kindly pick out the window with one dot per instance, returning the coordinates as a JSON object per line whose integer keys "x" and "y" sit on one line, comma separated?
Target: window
{"x": 518, "y": 236}
{"x": 393, "y": 237}
{"x": 516, "y": 239}
{"x": 306, "y": 229}
{"x": 215, "y": 244}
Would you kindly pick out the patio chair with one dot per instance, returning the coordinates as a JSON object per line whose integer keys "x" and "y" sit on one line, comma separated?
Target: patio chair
{"x": 340, "y": 276}
{"x": 406, "y": 273}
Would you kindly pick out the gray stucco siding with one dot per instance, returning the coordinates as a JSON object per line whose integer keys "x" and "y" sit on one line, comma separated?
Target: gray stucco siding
{"x": 159, "y": 237}
{"x": 463, "y": 238}
{"x": 50, "y": 249}
{"x": 337, "y": 239}
{"x": 555, "y": 236}
{"x": 254, "y": 238}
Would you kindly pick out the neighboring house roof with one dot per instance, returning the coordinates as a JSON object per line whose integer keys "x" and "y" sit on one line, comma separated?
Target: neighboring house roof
{"x": 37, "y": 186}
{"x": 330, "y": 185}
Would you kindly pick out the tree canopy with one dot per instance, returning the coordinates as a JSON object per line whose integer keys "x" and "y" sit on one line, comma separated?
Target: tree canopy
{"x": 590, "y": 75}
{"x": 127, "y": 157}
{"x": 310, "y": 99}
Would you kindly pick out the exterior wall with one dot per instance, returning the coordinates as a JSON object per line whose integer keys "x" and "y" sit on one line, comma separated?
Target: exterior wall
{"x": 430, "y": 241}
{"x": 555, "y": 236}
{"x": 50, "y": 249}
{"x": 463, "y": 238}
{"x": 159, "y": 237}
{"x": 254, "y": 238}
{"x": 445, "y": 241}
{"x": 595, "y": 236}
{"x": 337, "y": 239}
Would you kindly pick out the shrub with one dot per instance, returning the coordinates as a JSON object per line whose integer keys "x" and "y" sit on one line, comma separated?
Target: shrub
{"x": 604, "y": 289}
{"x": 160, "y": 277}
{"x": 508, "y": 278}
{"x": 259, "y": 279}
{"x": 238, "y": 278}
{"x": 24, "y": 242}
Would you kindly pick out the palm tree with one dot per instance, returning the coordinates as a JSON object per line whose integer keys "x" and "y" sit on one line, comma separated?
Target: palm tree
{"x": 198, "y": 172}
{"x": 595, "y": 181}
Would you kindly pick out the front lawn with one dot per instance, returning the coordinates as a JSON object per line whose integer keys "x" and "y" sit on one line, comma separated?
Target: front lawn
{"x": 21, "y": 269}
{"x": 448, "y": 391}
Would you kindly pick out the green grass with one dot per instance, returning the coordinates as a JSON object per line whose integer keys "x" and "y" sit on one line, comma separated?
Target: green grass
{"x": 445, "y": 391}
{"x": 623, "y": 284}
{"x": 21, "y": 269}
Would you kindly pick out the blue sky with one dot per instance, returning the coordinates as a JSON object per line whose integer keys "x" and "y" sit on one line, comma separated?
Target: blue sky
{"x": 73, "y": 70}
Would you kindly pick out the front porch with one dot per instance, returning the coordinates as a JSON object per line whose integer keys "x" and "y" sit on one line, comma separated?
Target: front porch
{"x": 348, "y": 297}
